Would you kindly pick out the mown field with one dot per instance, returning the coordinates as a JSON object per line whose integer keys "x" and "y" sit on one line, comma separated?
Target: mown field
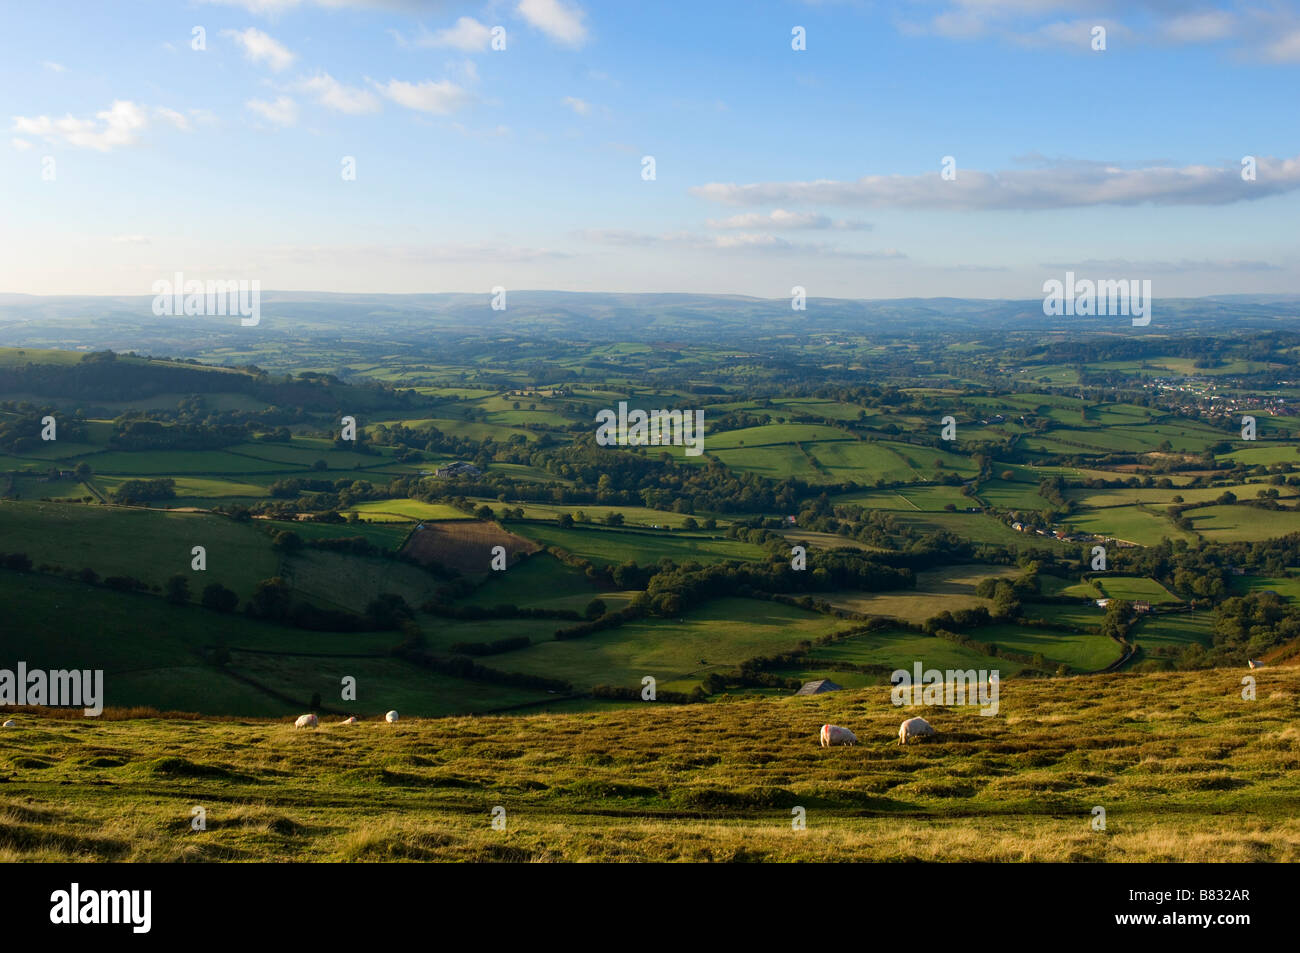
{"x": 1185, "y": 769}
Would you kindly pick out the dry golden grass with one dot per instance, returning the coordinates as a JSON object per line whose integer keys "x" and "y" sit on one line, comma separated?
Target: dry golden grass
{"x": 1184, "y": 767}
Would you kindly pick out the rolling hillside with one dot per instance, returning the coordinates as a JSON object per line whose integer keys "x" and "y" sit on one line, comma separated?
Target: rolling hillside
{"x": 1184, "y": 767}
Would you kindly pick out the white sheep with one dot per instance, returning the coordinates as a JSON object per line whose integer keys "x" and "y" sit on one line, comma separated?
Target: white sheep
{"x": 1256, "y": 663}
{"x": 391, "y": 717}
{"x": 835, "y": 735}
{"x": 10, "y": 724}
{"x": 350, "y": 720}
{"x": 306, "y": 721}
{"x": 914, "y": 728}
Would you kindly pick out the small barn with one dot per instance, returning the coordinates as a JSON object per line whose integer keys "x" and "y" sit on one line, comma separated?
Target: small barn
{"x": 818, "y": 687}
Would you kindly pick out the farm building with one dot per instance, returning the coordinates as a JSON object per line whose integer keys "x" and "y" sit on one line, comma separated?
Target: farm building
{"x": 459, "y": 468}
{"x": 818, "y": 687}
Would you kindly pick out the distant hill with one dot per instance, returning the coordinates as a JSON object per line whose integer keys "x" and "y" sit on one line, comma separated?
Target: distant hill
{"x": 127, "y": 323}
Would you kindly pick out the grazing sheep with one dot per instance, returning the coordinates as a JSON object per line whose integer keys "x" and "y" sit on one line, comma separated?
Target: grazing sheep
{"x": 391, "y": 717}
{"x": 914, "y": 728}
{"x": 835, "y": 735}
{"x": 350, "y": 720}
{"x": 306, "y": 721}
{"x": 1256, "y": 663}
{"x": 10, "y": 724}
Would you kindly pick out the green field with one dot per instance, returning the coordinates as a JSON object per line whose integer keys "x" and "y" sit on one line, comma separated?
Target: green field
{"x": 1132, "y": 524}
{"x": 1135, "y": 588}
{"x": 150, "y": 545}
{"x": 1243, "y": 523}
{"x": 405, "y": 511}
{"x": 609, "y": 546}
{"x": 1174, "y": 629}
{"x": 1082, "y": 652}
{"x": 677, "y": 653}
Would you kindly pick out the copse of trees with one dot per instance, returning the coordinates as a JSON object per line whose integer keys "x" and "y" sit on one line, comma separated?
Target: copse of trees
{"x": 22, "y": 432}
{"x": 136, "y": 492}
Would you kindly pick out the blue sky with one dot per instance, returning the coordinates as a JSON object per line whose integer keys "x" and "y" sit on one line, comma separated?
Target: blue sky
{"x": 774, "y": 167}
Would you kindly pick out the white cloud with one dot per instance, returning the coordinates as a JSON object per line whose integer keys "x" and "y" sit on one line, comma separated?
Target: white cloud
{"x": 22, "y": 145}
{"x": 579, "y": 106}
{"x": 261, "y": 48}
{"x": 439, "y": 98}
{"x": 335, "y": 95}
{"x": 781, "y": 219}
{"x": 282, "y": 112}
{"x": 467, "y": 35}
{"x": 131, "y": 240}
{"x": 1060, "y": 184}
{"x": 119, "y": 125}
{"x": 51, "y": 65}
{"x": 473, "y": 253}
{"x": 740, "y": 241}
{"x": 273, "y": 8}
{"x": 1202, "y": 27}
{"x": 172, "y": 116}
{"x": 1116, "y": 266}
{"x": 262, "y": 7}
{"x": 1285, "y": 49}
{"x": 560, "y": 21}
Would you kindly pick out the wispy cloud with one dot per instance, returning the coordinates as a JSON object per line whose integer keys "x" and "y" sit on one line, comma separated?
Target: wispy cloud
{"x": 466, "y": 35}
{"x": 453, "y": 252}
{"x": 1116, "y": 266}
{"x": 331, "y": 93}
{"x": 282, "y": 112}
{"x": 782, "y": 219}
{"x": 737, "y": 242}
{"x": 179, "y": 120}
{"x": 261, "y": 48}
{"x": 441, "y": 98}
{"x": 579, "y": 106}
{"x": 119, "y": 125}
{"x": 562, "y": 22}
{"x": 1063, "y": 184}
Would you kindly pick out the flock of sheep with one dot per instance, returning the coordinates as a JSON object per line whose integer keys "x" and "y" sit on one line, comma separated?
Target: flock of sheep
{"x": 909, "y": 730}
{"x": 311, "y": 721}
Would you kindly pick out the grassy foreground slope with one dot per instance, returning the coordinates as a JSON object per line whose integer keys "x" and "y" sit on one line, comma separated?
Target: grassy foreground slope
{"x": 1185, "y": 768}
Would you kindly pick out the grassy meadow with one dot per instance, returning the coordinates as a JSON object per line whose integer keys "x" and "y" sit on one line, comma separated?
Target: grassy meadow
{"x": 1185, "y": 768}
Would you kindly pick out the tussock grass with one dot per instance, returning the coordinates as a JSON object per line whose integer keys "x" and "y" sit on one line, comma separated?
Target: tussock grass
{"x": 1185, "y": 768}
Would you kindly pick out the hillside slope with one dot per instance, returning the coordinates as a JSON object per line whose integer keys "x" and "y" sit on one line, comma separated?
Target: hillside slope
{"x": 1184, "y": 767}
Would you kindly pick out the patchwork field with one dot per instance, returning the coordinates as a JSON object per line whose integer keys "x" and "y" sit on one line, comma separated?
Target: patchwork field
{"x": 937, "y": 590}
{"x": 464, "y": 545}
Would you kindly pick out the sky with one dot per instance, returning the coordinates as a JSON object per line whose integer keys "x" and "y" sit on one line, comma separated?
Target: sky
{"x": 922, "y": 148}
